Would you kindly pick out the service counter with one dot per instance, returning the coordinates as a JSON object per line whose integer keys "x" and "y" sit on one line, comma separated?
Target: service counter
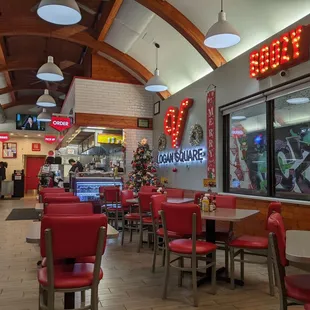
{"x": 87, "y": 186}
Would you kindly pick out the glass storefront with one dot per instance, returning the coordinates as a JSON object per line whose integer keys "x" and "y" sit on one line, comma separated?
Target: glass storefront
{"x": 268, "y": 152}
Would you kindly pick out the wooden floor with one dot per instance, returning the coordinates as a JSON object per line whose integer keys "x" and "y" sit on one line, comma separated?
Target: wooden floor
{"x": 128, "y": 283}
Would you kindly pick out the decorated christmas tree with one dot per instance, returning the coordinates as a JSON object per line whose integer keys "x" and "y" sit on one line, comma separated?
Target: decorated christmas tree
{"x": 144, "y": 168}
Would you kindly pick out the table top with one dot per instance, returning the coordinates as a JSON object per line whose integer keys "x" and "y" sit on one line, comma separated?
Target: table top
{"x": 297, "y": 246}
{"x": 34, "y": 231}
{"x": 228, "y": 215}
{"x": 170, "y": 200}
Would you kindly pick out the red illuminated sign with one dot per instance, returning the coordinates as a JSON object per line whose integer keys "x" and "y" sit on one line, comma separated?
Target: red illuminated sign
{"x": 60, "y": 123}
{"x": 175, "y": 121}
{"x": 36, "y": 147}
{"x": 4, "y": 137}
{"x": 211, "y": 136}
{"x": 50, "y": 139}
{"x": 287, "y": 51}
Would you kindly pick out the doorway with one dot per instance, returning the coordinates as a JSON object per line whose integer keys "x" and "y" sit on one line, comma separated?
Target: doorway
{"x": 33, "y": 165}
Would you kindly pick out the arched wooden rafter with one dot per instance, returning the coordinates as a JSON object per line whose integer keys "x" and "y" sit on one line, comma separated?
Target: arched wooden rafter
{"x": 33, "y": 26}
{"x": 186, "y": 28}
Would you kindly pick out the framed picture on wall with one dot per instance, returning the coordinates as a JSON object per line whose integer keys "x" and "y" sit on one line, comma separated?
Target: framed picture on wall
{"x": 9, "y": 150}
{"x": 143, "y": 123}
{"x": 156, "y": 108}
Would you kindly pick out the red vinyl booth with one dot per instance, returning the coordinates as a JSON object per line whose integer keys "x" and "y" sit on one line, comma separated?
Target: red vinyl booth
{"x": 61, "y": 199}
{"x": 82, "y": 208}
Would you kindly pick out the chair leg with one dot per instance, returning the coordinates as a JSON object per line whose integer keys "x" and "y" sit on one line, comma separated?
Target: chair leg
{"x": 155, "y": 253}
{"x": 180, "y": 273}
{"x": 242, "y": 265}
{"x": 94, "y": 298}
{"x": 167, "y": 267}
{"x": 270, "y": 272}
{"x": 50, "y": 300}
{"x": 130, "y": 225}
{"x": 123, "y": 229}
{"x": 213, "y": 274}
{"x": 140, "y": 238}
{"x": 232, "y": 268}
{"x": 40, "y": 296}
{"x": 163, "y": 255}
{"x": 194, "y": 280}
{"x": 226, "y": 260}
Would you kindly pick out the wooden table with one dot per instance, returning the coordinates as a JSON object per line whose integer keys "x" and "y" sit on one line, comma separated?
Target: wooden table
{"x": 226, "y": 215}
{"x": 39, "y": 206}
{"x": 170, "y": 200}
{"x": 297, "y": 246}
{"x": 34, "y": 232}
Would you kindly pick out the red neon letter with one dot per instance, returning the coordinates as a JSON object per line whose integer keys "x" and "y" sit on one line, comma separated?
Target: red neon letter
{"x": 254, "y": 68}
{"x": 264, "y": 59}
{"x": 295, "y": 38}
{"x": 284, "y": 56}
{"x": 275, "y": 54}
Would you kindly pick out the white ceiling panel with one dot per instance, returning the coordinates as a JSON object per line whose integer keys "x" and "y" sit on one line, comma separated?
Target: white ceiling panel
{"x": 179, "y": 63}
{"x": 256, "y": 20}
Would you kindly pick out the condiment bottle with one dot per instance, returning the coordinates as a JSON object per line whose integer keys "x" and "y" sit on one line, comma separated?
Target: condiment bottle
{"x": 205, "y": 203}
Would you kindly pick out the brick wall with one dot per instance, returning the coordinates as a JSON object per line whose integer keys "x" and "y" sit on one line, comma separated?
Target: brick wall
{"x": 93, "y": 96}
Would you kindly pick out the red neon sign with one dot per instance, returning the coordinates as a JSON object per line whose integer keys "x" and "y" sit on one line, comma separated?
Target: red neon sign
{"x": 287, "y": 51}
{"x": 60, "y": 123}
{"x": 50, "y": 139}
{"x": 4, "y": 137}
{"x": 175, "y": 121}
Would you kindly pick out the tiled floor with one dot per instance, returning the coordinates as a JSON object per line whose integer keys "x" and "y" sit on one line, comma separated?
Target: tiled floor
{"x": 128, "y": 282}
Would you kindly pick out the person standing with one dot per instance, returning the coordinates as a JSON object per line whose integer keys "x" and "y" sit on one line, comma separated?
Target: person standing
{"x": 76, "y": 166}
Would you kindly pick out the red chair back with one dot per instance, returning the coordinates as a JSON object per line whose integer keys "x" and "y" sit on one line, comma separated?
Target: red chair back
{"x": 61, "y": 199}
{"x": 157, "y": 201}
{"x": 175, "y": 193}
{"x": 73, "y": 236}
{"x": 101, "y": 191}
{"x": 52, "y": 190}
{"x": 197, "y": 197}
{"x": 82, "y": 208}
{"x": 147, "y": 189}
{"x": 276, "y": 226}
{"x": 111, "y": 194}
{"x": 179, "y": 217}
{"x": 226, "y": 201}
{"x": 273, "y": 207}
{"x": 126, "y": 194}
{"x": 145, "y": 200}
{"x": 56, "y": 194}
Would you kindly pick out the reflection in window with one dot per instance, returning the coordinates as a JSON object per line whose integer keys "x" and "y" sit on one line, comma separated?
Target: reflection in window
{"x": 248, "y": 150}
{"x": 292, "y": 145}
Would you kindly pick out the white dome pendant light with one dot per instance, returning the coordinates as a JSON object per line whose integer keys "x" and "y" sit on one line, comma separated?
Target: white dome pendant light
{"x": 50, "y": 72}
{"x": 46, "y": 100}
{"x": 155, "y": 83}
{"x": 222, "y": 34}
{"x": 59, "y": 12}
{"x": 44, "y": 116}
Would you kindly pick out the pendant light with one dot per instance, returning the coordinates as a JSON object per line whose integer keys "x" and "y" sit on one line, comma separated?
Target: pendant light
{"x": 222, "y": 34}
{"x": 46, "y": 100}
{"x": 44, "y": 116}
{"x": 155, "y": 83}
{"x": 59, "y": 12}
{"x": 50, "y": 72}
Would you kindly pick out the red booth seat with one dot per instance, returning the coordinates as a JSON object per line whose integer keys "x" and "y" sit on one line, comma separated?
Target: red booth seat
{"x": 82, "y": 208}
{"x": 61, "y": 199}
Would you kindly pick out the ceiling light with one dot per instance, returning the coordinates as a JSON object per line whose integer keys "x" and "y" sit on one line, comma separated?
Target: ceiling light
{"x": 44, "y": 116}
{"x": 12, "y": 134}
{"x": 238, "y": 117}
{"x": 26, "y": 136}
{"x": 46, "y": 100}
{"x": 59, "y": 12}
{"x": 222, "y": 34}
{"x": 155, "y": 83}
{"x": 301, "y": 100}
{"x": 50, "y": 72}
{"x": 39, "y": 135}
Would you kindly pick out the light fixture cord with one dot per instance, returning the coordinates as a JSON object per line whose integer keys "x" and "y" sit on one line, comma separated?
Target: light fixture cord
{"x": 222, "y": 5}
{"x": 157, "y": 47}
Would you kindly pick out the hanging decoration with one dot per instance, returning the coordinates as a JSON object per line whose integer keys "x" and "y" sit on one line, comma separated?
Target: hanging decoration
{"x": 162, "y": 142}
{"x": 196, "y": 135}
{"x": 211, "y": 138}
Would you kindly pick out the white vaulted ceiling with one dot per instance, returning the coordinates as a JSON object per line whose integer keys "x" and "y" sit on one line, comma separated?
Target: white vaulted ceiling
{"x": 135, "y": 29}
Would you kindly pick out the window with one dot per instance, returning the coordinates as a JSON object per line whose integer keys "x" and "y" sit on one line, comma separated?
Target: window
{"x": 248, "y": 150}
{"x": 292, "y": 145}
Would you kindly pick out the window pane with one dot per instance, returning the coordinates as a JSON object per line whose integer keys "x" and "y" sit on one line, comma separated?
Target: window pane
{"x": 292, "y": 145}
{"x": 248, "y": 151}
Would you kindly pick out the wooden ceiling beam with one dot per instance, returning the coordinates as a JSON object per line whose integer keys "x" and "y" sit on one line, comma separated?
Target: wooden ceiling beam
{"x": 186, "y": 28}
{"x": 15, "y": 88}
{"x": 33, "y": 26}
{"x": 27, "y": 100}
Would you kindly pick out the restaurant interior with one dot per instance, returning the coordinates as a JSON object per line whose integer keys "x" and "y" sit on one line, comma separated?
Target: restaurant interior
{"x": 155, "y": 154}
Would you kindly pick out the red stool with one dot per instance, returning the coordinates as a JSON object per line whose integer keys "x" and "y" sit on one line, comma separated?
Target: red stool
{"x": 253, "y": 244}
{"x": 188, "y": 223}
{"x": 63, "y": 238}
{"x": 175, "y": 193}
{"x": 292, "y": 288}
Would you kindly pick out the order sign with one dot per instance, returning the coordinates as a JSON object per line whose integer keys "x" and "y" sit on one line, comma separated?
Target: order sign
{"x": 60, "y": 123}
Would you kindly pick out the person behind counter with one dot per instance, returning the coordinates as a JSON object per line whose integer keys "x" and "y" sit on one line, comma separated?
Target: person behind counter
{"x": 76, "y": 166}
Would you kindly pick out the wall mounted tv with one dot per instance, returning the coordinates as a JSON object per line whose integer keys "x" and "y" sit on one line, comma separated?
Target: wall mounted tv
{"x": 29, "y": 122}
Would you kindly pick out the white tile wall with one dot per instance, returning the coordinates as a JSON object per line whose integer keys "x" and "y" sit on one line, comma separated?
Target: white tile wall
{"x": 93, "y": 96}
